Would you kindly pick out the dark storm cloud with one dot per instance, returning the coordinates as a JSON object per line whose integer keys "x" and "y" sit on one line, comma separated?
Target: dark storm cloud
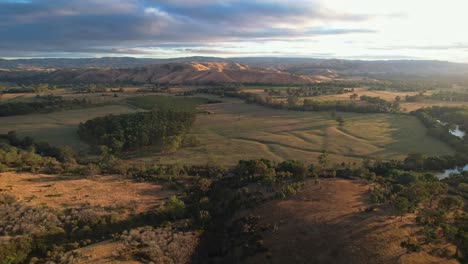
{"x": 124, "y": 27}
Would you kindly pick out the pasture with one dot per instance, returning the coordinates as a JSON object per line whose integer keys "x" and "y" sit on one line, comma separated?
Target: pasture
{"x": 58, "y": 128}
{"x": 235, "y": 130}
{"x": 167, "y": 102}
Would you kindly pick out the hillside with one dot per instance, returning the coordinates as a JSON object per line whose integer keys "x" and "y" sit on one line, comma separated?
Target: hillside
{"x": 326, "y": 223}
{"x": 301, "y": 66}
{"x": 174, "y": 73}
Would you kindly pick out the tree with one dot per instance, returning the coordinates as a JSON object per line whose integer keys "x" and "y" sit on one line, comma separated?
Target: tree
{"x": 340, "y": 121}
{"x": 451, "y": 202}
{"x": 354, "y": 96}
{"x": 410, "y": 247}
{"x": 293, "y": 101}
{"x": 397, "y": 98}
{"x": 174, "y": 207}
{"x": 434, "y": 190}
{"x": 323, "y": 159}
{"x": 414, "y": 161}
{"x": 401, "y": 206}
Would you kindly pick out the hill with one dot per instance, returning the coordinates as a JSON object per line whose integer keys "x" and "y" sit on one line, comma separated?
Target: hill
{"x": 172, "y": 73}
{"x": 302, "y": 66}
{"x": 327, "y": 223}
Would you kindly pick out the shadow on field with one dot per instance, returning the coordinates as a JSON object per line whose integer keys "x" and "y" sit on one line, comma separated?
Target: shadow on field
{"x": 324, "y": 223}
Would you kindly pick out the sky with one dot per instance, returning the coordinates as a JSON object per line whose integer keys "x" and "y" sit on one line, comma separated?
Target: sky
{"x": 348, "y": 29}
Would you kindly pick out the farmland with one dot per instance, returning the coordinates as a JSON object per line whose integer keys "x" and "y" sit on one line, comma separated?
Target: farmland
{"x": 167, "y": 102}
{"x": 58, "y": 128}
{"x": 235, "y": 130}
{"x": 388, "y": 95}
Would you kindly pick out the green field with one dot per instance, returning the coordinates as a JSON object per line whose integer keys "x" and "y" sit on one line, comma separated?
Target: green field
{"x": 167, "y": 102}
{"x": 267, "y": 87}
{"x": 237, "y": 131}
{"x": 58, "y": 128}
{"x": 234, "y": 130}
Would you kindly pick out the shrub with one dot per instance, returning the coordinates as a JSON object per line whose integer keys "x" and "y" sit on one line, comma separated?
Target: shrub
{"x": 3, "y": 167}
{"x": 90, "y": 170}
{"x": 173, "y": 208}
{"x": 159, "y": 245}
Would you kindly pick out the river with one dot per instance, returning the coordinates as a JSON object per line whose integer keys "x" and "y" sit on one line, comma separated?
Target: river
{"x": 457, "y": 132}
{"x": 446, "y": 173}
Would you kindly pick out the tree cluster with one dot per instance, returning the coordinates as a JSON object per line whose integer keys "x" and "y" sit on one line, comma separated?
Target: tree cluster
{"x": 163, "y": 129}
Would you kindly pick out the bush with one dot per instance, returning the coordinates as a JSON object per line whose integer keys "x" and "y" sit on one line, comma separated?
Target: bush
{"x": 3, "y": 167}
{"x": 173, "y": 208}
{"x": 90, "y": 170}
{"x": 159, "y": 245}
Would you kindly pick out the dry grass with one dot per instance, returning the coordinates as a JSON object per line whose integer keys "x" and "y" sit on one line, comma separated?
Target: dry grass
{"x": 386, "y": 95}
{"x": 99, "y": 253}
{"x": 325, "y": 224}
{"x": 113, "y": 192}
{"x": 412, "y": 106}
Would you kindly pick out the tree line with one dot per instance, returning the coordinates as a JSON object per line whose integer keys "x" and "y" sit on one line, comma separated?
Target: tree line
{"x": 371, "y": 105}
{"x": 439, "y": 120}
{"x": 41, "y": 104}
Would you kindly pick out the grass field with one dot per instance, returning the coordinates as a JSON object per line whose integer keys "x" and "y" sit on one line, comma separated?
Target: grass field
{"x": 237, "y": 131}
{"x": 58, "y": 128}
{"x": 234, "y": 130}
{"x": 167, "y": 102}
{"x": 267, "y": 87}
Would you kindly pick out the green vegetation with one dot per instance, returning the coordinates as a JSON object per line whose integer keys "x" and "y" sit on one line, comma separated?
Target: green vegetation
{"x": 187, "y": 104}
{"x": 47, "y": 103}
{"x": 439, "y": 121}
{"x": 58, "y": 128}
{"x": 212, "y": 197}
{"x": 368, "y": 104}
{"x": 237, "y": 130}
{"x": 164, "y": 129}
{"x": 410, "y": 85}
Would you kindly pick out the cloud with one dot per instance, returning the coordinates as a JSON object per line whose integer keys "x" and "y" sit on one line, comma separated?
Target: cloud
{"x": 456, "y": 46}
{"x": 115, "y": 26}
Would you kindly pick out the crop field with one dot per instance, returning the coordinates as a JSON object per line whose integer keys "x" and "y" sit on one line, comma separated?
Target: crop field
{"x": 58, "y": 128}
{"x": 167, "y": 102}
{"x": 235, "y": 130}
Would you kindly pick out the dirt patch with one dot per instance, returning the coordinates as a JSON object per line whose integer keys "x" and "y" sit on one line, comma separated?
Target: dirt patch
{"x": 113, "y": 192}
{"x": 100, "y": 253}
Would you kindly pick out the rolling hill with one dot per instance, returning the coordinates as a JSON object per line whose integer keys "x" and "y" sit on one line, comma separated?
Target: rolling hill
{"x": 171, "y": 73}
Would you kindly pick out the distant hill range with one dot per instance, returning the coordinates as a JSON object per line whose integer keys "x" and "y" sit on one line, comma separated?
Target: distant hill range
{"x": 202, "y": 70}
{"x": 167, "y": 73}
